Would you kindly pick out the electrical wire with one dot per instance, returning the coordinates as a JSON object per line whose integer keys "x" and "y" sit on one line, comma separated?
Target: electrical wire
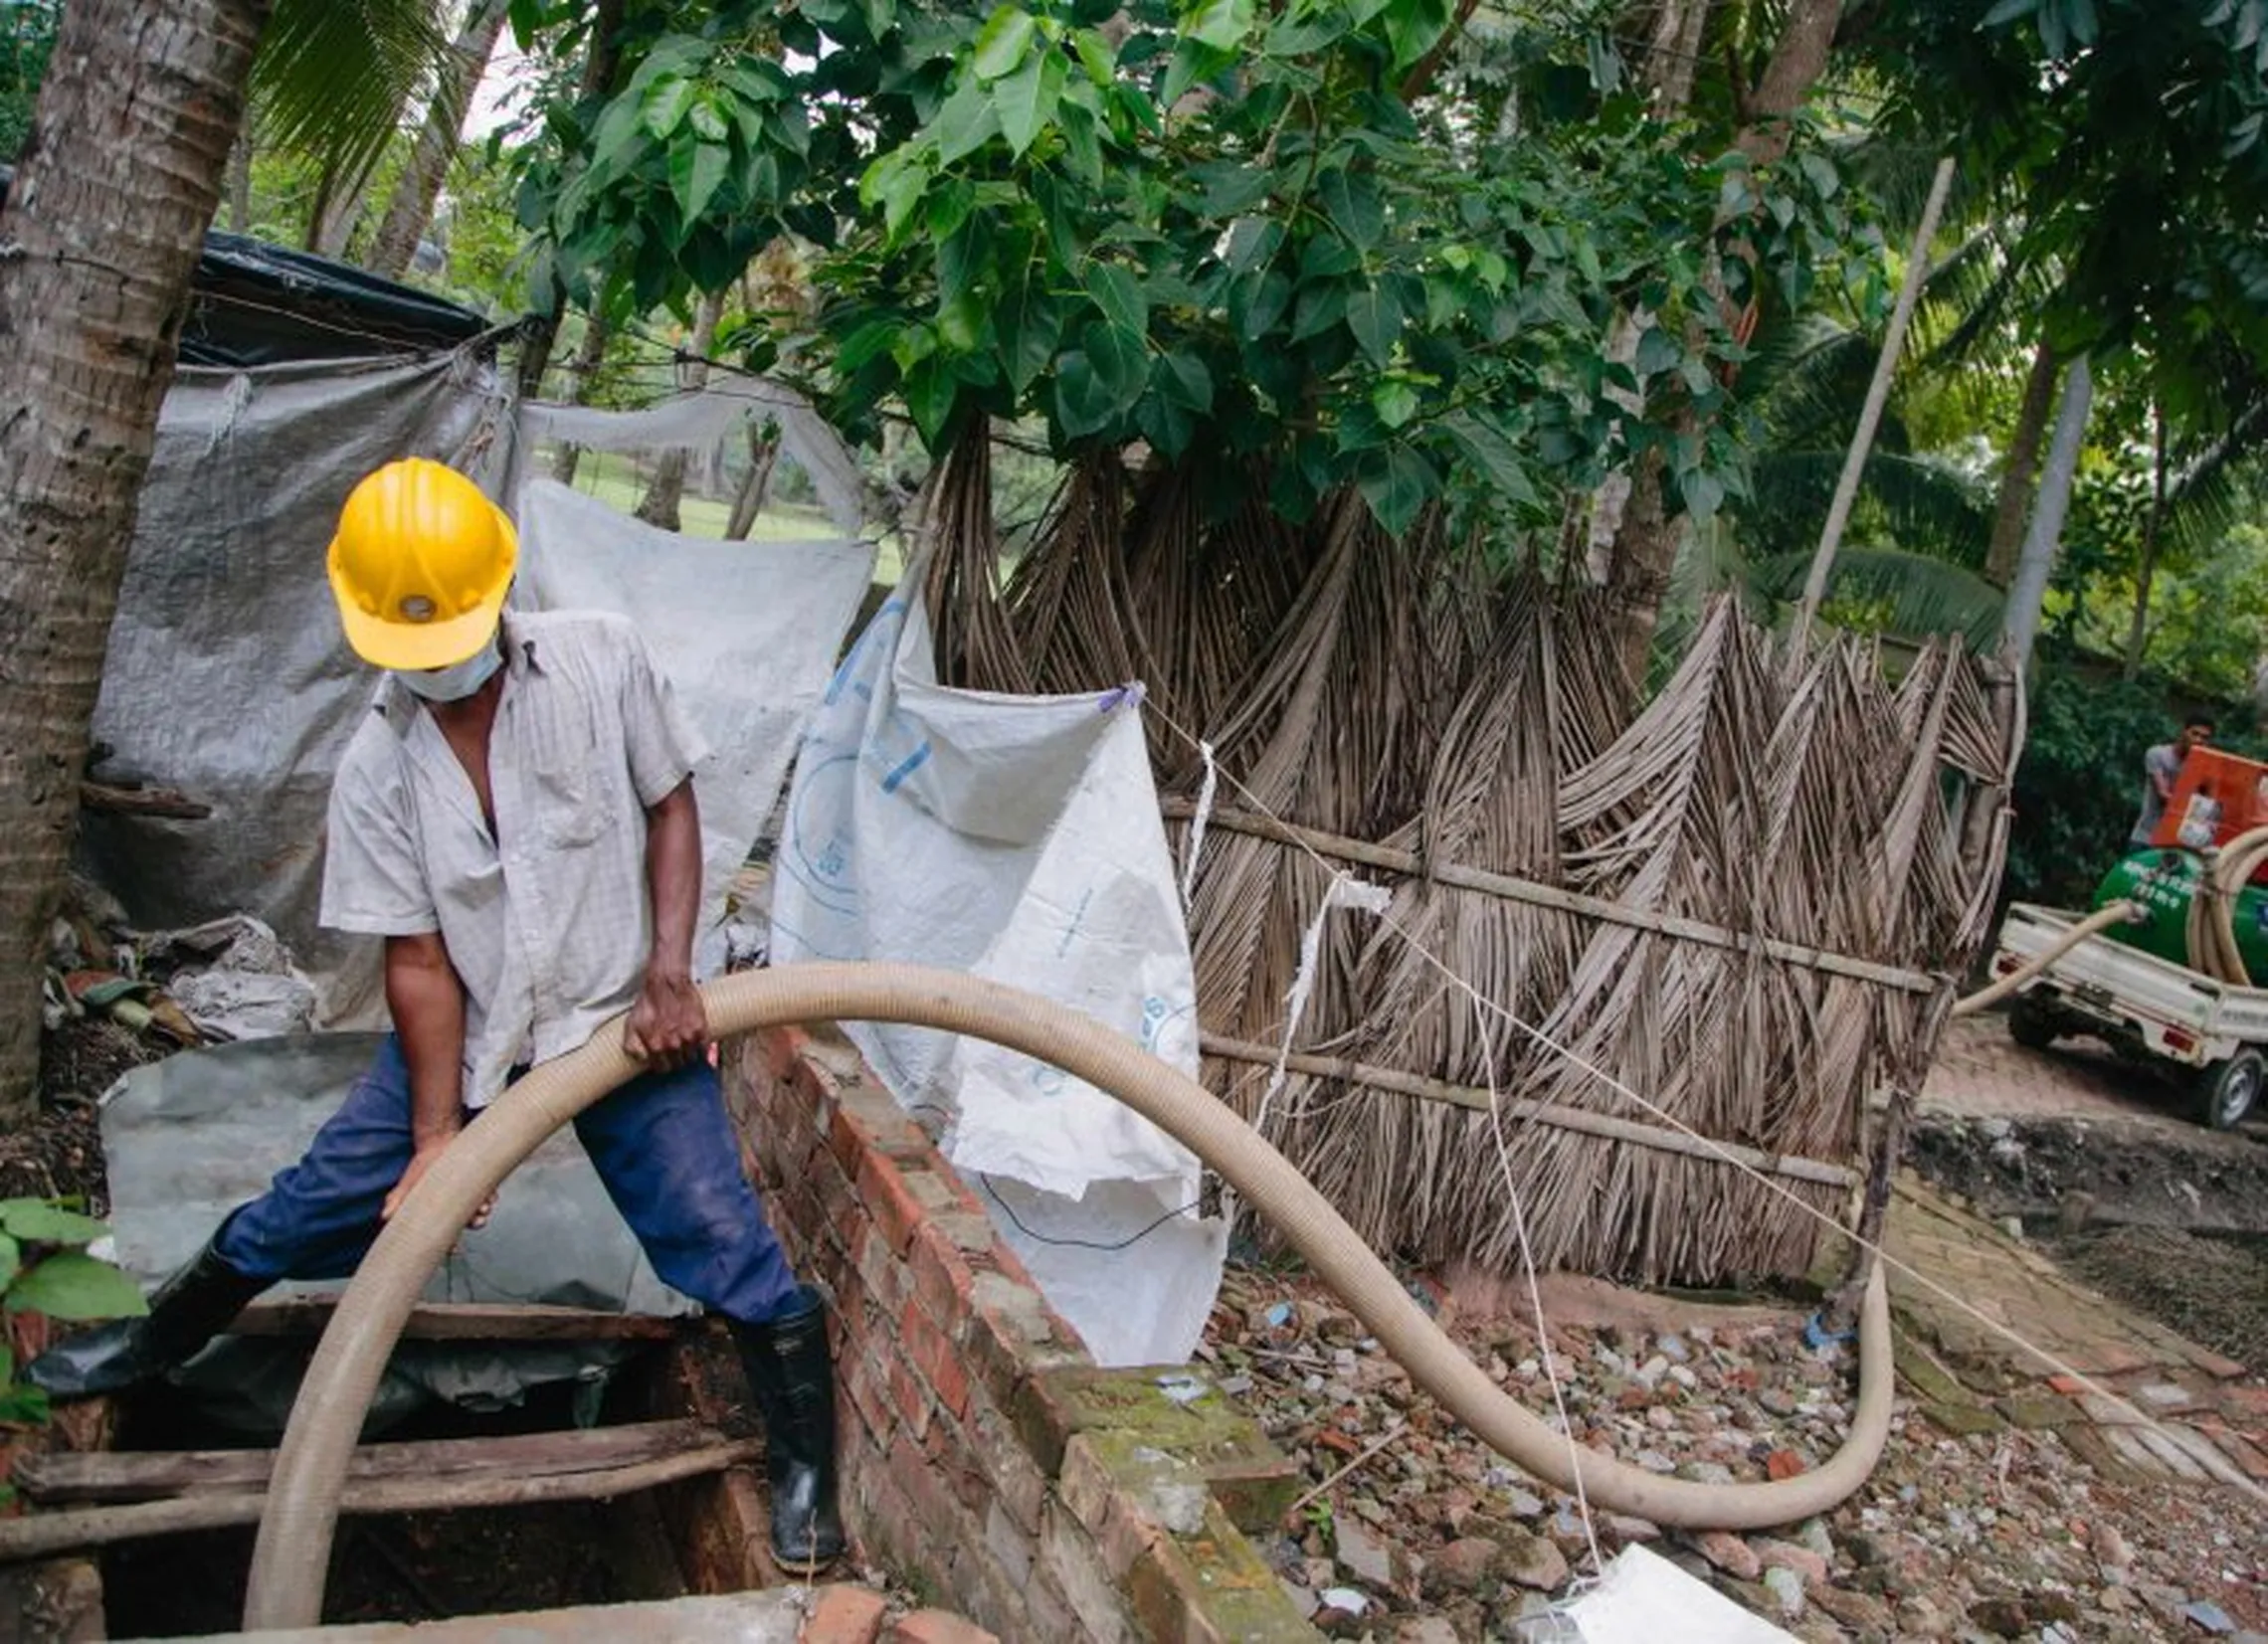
{"x": 1033, "y": 1234}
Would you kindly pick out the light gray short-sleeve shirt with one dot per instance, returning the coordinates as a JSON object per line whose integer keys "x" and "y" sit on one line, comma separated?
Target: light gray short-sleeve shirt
{"x": 549, "y": 924}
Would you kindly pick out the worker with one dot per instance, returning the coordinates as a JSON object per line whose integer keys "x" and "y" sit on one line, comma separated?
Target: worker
{"x": 516, "y": 818}
{"x": 2161, "y": 769}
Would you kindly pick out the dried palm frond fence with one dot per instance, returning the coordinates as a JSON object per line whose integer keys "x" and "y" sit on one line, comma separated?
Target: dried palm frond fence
{"x": 1743, "y": 901}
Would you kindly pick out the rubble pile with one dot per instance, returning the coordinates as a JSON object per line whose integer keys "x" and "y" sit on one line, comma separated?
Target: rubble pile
{"x": 1415, "y": 1532}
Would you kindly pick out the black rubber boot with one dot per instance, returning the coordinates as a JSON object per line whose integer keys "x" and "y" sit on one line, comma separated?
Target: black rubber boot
{"x": 188, "y": 1310}
{"x": 792, "y": 1375}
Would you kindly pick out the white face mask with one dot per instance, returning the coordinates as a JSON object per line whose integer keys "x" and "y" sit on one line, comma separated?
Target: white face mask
{"x": 454, "y": 684}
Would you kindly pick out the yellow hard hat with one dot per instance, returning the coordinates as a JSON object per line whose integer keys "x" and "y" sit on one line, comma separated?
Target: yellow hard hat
{"x": 421, "y": 565}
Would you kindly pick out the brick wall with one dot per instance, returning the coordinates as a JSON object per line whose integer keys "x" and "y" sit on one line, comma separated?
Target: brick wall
{"x": 986, "y": 1459}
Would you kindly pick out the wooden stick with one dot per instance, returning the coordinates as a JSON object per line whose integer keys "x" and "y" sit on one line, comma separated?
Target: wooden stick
{"x": 1870, "y": 413}
{"x": 1542, "y": 1113}
{"x": 140, "y": 801}
{"x": 144, "y": 1475}
{"x": 463, "y": 1322}
{"x": 1377, "y": 1444}
{"x": 1512, "y": 889}
{"x": 43, "y": 1534}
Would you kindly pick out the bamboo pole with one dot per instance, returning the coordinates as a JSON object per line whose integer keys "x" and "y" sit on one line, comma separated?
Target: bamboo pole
{"x": 1870, "y": 415}
{"x": 1232, "y": 821}
{"x": 43, "y": 1534}
{"x": 1561, "y": 1117}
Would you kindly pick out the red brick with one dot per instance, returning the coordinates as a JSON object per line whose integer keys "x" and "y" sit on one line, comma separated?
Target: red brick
{"x": 891, "y": 1198}
{"x": 937, "y": 1627}
{"x": 910, "y": 1398}
{"x": 889, "y": 1280}
{"x": 932, "y": 1352}
{"x": 843, "y": 1615}
{"x": 882, "y": 1125}
{"x": 942, "y": 1277}
{"x": 782, "y": 1048}
{"x": 866, "y": 1383}
{"x": 833, "y": 1199}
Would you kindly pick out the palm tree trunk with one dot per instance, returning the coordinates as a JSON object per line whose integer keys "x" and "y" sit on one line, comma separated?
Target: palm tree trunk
{"x": 2028, "y": 592}
{"x": 756, "y": 484}
{"x": 342, "y": 214}
{"x": 2014, "y": 505}
{"x": 239, "y": 183}
{"x": 661, "y": 505}
{"x": 2138, "y": 632}
{"x": 117, "y": 185}
{"x": 415, "y": 191}
{"x": 581, "y": 372}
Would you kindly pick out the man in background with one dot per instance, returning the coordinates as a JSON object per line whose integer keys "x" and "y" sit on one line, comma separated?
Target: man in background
{"x": 2161, "y": 769}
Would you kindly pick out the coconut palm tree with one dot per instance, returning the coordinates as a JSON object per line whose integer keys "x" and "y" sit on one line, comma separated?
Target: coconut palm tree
{"x": 117, "y": 181}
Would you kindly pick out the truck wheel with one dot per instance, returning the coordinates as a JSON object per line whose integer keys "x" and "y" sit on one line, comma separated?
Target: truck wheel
{"x": 2230, "y": 1089}
{"x": 2033, "y": 1024}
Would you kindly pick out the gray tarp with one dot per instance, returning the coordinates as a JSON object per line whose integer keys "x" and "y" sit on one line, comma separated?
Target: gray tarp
{"x": 190, "y": 1138}
{"x": 226, "y": 677}
{"x": 748, "y": 632}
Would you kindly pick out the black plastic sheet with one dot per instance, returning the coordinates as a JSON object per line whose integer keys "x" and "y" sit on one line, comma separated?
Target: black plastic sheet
{"x": 253, "y": 304}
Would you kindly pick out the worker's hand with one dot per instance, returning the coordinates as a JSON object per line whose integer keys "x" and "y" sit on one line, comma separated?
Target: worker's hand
{"x": 667, "y": 1026}
{"x": 418, "y": 1162}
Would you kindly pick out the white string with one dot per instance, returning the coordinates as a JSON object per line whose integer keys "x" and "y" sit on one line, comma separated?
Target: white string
{"x": 1346, "y": 891}
{"x": 1536, "y": 1297}
{"x": 2055, "y": 1364}
{"x": 1197, "y": 825}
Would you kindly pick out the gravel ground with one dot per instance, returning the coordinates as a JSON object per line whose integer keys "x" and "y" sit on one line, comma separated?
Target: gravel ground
{"x": 1419, "y": 1536}
{"x": 2213, "y": 1288}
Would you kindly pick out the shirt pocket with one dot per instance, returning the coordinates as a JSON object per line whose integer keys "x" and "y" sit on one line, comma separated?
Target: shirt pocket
{"x": 570, "y": 800}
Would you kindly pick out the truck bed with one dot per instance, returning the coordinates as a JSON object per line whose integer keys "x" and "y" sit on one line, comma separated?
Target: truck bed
{"x": 2175, "y": 1012}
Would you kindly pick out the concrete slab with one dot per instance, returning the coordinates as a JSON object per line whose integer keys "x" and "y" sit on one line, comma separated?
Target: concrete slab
{"x": 770, "y": 1617}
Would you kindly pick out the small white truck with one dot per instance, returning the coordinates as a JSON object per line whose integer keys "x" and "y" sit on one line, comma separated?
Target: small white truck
{"x": 2212, "y": 1034}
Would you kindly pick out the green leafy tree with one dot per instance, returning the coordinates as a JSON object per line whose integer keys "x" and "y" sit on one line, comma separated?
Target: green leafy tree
{"x": 1213, "y": 231}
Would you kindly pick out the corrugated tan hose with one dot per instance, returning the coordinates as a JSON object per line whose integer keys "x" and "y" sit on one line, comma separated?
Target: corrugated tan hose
{"x": 294, "y": 1544}
{"x": 2213, "y": 926}
{"x": 2102, "y": 919}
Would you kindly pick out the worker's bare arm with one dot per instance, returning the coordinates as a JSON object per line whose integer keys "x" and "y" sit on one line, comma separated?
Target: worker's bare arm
{"x": 427, "y": 1001}
{"x": 668, "y": 1025}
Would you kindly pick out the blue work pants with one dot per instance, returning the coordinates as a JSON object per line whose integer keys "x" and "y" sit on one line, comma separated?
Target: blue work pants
{"x": 660, "y": 1143}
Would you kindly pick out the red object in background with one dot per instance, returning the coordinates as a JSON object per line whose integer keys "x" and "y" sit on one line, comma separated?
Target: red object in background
{"x": 2216, "y": 796}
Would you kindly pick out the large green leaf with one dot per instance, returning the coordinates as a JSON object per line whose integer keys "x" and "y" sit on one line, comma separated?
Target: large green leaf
{"x": 696, "y": 170}
{"x": 1183, "y": 381}
{"x": 667, "y": 102}
{"x": 1659, "y": 350}
{"x": 73, "y": 1285}
{"x": 1397, "y": 481}
{"x": 1351, "y": 201}
{"x": 1374, "y": 316}
{"x": 1495, "y": 455}
{"x": 1026, "y": 100}
{"x": 1220, "y": 24}
{"x": 36, "y": 1222}
{"x": 968, "y": 121}
{"x": 1028, "y": 324}
{"x": 1121, "y": 362}
{"x": 930, "y": 390}
{"x": 1119, "y": 295}
{"x": 1004, "y": 41}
